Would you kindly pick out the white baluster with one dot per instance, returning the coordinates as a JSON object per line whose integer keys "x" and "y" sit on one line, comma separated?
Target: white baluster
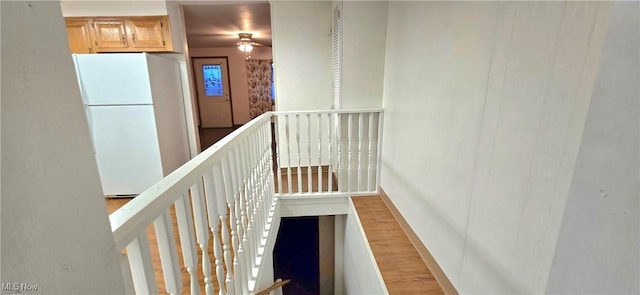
{"x": 214, "y": 223}
{"x": 255, "y": 229}
{"x": 202, "y": 233}
{"x": 219, "y": 195}
{"x": 245, "y": 192}
{"x": 246, "y": 243}
{"x": 144, "y": 281}
{"x": 369, "y": 170}
{"x": 309, "y": 187}
{"x": 163, "y": 226}
{"x": 245, "y": 269}
{"x": 232, "y": 192}
{"x": 349, "y": 147}
{"x": 255, "y": 190}
{"x": 330, "y": 149}
{"x": 187, "y": 237}
{"x": 299, "y": 169}
{"x": 379, "y": 149}
{"x": 360, "y": 131}
{"x": 217, "y": 252}
{"x": 224, "y": 195}
{"x": 270, "y": 186}
{"x": 287, "y": 130}
{"x": 278, "y": 160}
{"x": 319, "y": 152}
{"x": 270, "y": 165}
{"x": 339, "y": 155}
{"x": 239, "y": 252}
{"x": 227, "y": 256}
{"x": 265, "y": 182}
{"x": 249, "y": 224}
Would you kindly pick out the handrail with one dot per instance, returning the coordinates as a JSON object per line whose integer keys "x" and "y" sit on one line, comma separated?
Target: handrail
{"x": 128, "y": 221}
{"x": 279, "y": 283}
{"x": 350, "y": 111}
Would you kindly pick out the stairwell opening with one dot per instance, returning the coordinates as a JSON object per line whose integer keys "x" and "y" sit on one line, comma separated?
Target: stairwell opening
{"x": 305, "y": 253}
{"x": 296, "y": 255}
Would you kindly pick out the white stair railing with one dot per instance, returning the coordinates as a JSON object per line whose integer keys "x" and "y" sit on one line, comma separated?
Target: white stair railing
{"x": 224, "y": 195}
{"x": 318, "y": 149}
{"x": 224, "y": 199}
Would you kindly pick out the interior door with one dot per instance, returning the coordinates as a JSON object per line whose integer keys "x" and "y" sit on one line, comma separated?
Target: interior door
{"x": 214, "y": 101}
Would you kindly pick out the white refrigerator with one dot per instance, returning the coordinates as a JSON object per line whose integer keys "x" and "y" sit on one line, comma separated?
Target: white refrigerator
{"x": 135, "y": 111}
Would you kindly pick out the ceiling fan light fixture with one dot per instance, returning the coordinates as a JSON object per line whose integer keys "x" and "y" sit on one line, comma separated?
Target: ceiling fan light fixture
{"x": 245, "y": 44}
{"x": 245, "y": 47}
{"x": 246, "y": 37}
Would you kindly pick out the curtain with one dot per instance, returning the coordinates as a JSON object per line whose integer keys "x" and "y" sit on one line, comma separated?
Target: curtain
{"x": 259, "y": 79}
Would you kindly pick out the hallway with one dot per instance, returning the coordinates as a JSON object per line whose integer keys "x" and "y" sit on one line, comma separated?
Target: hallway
{"x": 209, "y": 136}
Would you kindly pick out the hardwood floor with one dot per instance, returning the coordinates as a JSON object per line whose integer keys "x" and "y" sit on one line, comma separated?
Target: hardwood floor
{"x": 402, "y": 268}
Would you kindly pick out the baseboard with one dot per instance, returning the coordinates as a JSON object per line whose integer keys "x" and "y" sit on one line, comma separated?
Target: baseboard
{"x": 424, "y": 253}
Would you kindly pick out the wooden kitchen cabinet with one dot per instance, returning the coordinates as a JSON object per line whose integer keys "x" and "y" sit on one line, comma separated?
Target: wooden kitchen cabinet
{"x": 119, "y": 34}
{"x": 109, "y": 35}
{"x": 79, "y": 32}
{"x": 149, "y": 33}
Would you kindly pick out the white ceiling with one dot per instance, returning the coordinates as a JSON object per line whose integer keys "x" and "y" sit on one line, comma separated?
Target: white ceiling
{"x": 218, "y": 25}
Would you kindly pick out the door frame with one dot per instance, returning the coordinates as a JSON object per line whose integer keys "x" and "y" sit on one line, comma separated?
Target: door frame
{"x": 195, "y": 84}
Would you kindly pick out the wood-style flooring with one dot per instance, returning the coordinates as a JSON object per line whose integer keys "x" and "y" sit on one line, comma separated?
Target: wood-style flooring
{"x": 402, "y": 268}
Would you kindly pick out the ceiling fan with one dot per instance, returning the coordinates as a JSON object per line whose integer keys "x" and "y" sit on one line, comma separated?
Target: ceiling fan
{"x": 246, "y": 43}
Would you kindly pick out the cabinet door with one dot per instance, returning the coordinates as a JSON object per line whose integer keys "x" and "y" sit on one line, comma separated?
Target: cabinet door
{"x": 109, "y": 35}
{"x": 79, "y": 35}
{"x": 148, "y": 33}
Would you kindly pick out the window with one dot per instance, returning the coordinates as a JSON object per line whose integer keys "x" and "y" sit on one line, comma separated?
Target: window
{"x": 273, "y": 85}
{"x": 212, "y": 80}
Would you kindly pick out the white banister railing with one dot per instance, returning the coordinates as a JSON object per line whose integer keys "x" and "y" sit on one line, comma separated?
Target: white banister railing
{"x": 224, "y": 196}
{"x": 328, "y": 152}
{"x": 224, "y": 199}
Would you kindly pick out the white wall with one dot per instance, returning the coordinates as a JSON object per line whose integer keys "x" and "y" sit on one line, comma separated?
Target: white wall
{"x": 55, "y": 231}
{"x": 302, "y": 54}
{"x": 326, "y": 253}
{"x": 302, "y": 57}
{"x": 598, "y": 248}
{"x": 237, "y": 76}
{"x": 176, "y": 26}
{"x": 364, "y": 26}
{"x": 485, "y": 103}
{"x": 301, "y": 36}
{"x": 361, "y": 273}
{"x": 112, "y": 8}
